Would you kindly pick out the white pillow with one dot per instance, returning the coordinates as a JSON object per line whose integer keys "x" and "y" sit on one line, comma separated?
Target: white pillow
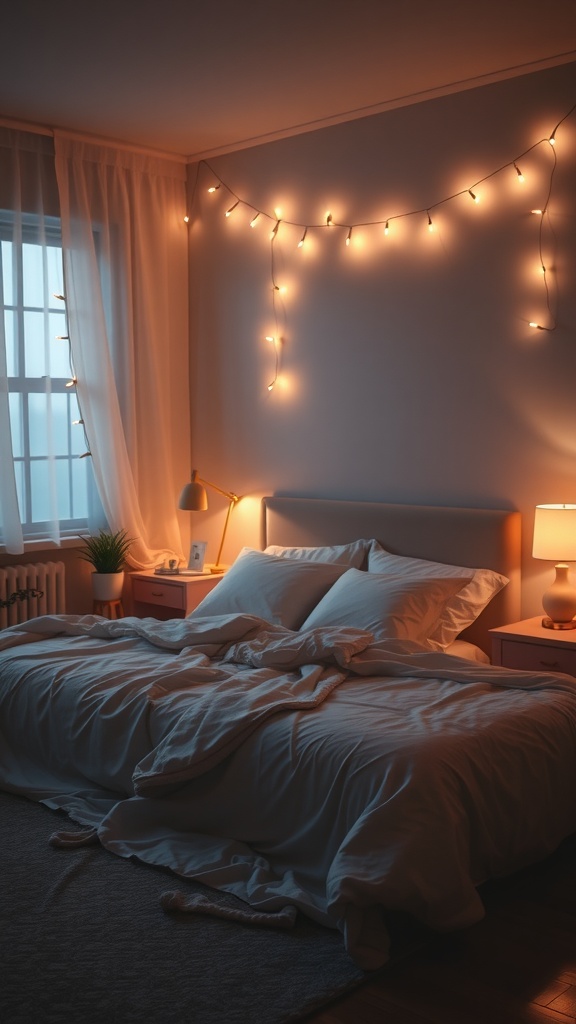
{"x": 387, "y": 606}
{"x": 280, "y": 590}
{"x": 353, "y": 555}
{"x": 463, "y": 608}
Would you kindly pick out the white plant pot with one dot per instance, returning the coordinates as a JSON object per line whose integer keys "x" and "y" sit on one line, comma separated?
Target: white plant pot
{"x": 107, "y": 586}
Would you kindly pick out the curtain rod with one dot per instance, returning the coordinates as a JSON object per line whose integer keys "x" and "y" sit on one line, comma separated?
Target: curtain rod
{"x": 40, "y": 129}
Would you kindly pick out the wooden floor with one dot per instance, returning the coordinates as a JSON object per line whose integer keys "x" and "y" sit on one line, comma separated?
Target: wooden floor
{"x": 517, "y": 966}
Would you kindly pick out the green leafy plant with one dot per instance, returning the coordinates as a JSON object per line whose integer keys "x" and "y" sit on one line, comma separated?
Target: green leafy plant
{"x": 107, "y": 551}
{"x": 20, "y": 595}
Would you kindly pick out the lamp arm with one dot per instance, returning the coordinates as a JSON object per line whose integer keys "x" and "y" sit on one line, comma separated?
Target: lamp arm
{"x": 233, "y": 501}
{"x": 233, "y": 498}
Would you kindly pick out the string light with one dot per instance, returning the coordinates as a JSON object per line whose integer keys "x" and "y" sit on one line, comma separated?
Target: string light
{"x": 72, "y": 383}
{"x": 471, "y": 190}
{"x": 276, "y": 342}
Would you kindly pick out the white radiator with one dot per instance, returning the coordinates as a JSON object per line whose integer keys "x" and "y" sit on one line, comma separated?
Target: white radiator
{"x": 48, "y": 577}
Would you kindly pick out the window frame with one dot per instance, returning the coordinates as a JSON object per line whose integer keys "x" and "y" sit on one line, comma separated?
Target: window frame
{"x": 42, "y": 231}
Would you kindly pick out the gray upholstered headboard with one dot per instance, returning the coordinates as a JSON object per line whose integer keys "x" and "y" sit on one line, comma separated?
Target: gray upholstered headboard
{"x": 479, "y": 538}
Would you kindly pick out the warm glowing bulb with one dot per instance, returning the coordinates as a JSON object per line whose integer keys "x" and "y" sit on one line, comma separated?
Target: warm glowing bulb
{"x": 303, "y": 239}
{"x": 386, "y": 228}
{"x": 254, "y": 219}
{"x": 519, "y": 173}
{"x": 540, "y": 212}
{"x": 233, "y": 207}
{"x": 534, "y": 324}
{"x": 329, "y": 220}
{"x": 270, "y": 338}
{"x": 349, "y": 236}
{"x": 278, "y": 212}
{"x": 552, "y": 140}
{"x": 430, "y": 224}
{"x": 186, "y": 218}
{"x": 474, "y": 196}
{"x": 72, "y": 383}
{"x": 213, "y": 188}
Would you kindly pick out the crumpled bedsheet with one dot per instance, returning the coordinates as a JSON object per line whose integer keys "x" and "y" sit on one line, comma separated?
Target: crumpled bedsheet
{"x": 318, "y": 771}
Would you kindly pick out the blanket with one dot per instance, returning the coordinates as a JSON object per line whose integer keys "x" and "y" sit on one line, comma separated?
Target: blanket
{"x": 319, "y": 771}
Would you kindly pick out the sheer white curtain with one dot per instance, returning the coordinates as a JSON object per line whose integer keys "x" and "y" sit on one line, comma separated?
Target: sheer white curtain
{"x": 125, "y": 259}
{"x": 28, "y": 202}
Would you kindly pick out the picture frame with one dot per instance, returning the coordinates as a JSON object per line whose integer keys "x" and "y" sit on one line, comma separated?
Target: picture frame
{"x": 197, "y": 555}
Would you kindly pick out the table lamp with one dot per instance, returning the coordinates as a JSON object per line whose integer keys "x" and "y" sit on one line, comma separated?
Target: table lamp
{"x": 555, "y": 539}
{"x": 194, "y": 499}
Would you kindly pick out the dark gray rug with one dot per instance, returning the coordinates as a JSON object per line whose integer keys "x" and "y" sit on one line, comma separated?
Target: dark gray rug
{"x": 83, "y": 938}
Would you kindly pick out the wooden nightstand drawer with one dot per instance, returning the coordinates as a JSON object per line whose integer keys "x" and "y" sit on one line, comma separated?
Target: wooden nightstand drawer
{"x": 538, "y": 657}
{"x": 160, "y": 593}
{"x": 157, "y": 597}
{"x": 529, "y": 645}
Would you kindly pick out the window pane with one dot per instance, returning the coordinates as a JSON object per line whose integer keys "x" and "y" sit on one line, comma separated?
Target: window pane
{"x": 20, "y": 488}
{"x": 17, "y": 425}
{"x": 80, "y": 469}
{"x": 55, "y": 273}
{"x": 58, "y": 349}
{"x": 63, "y": 489}
{"x": 77, "y": 439}
{"x": 8, "y": 282}
{"x": 34, "y": 344}
{"x": 40, "y": 494}
{"x": 33, "y": 273}
{"x": 11, "y": 346}
{"x": 48, "y": 427}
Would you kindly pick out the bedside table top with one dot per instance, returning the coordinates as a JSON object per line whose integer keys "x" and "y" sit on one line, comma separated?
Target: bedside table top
{"x": 176, "y": 577}
{"x": 532, "y": 629}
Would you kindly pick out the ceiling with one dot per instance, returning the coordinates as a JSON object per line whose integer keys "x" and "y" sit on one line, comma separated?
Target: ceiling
{"x": 196, "y": 79}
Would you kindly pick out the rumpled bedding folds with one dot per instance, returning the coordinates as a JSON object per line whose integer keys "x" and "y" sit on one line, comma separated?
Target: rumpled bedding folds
{"x": 314, "y": 771}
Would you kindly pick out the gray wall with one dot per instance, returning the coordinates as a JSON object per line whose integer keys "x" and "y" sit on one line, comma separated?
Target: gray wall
{"x": 410, "y": 373}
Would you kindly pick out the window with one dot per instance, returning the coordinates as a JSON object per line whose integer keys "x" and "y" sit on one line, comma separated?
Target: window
{"x": 53, "y": 480}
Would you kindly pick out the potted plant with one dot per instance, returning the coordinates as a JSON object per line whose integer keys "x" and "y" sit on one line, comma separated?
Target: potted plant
{"x": 107, "y": 553}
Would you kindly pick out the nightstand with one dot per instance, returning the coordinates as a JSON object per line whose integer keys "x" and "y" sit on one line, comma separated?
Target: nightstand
{"x": 169, "y": 597}
{"x": 529, "y": 645}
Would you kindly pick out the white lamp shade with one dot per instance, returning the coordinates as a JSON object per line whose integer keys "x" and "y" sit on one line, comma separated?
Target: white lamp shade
{"x": 555, "y": 533}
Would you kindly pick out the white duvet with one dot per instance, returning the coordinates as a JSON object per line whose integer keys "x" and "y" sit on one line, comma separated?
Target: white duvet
{"x": 318, "y": 771}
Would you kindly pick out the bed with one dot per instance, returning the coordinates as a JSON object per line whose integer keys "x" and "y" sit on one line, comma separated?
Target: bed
{"x": 323, "y": 735}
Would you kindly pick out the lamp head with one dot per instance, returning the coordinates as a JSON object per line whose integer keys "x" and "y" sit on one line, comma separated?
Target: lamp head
{"x": 555, "y": 540}
{"x": 193, "y": 496}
